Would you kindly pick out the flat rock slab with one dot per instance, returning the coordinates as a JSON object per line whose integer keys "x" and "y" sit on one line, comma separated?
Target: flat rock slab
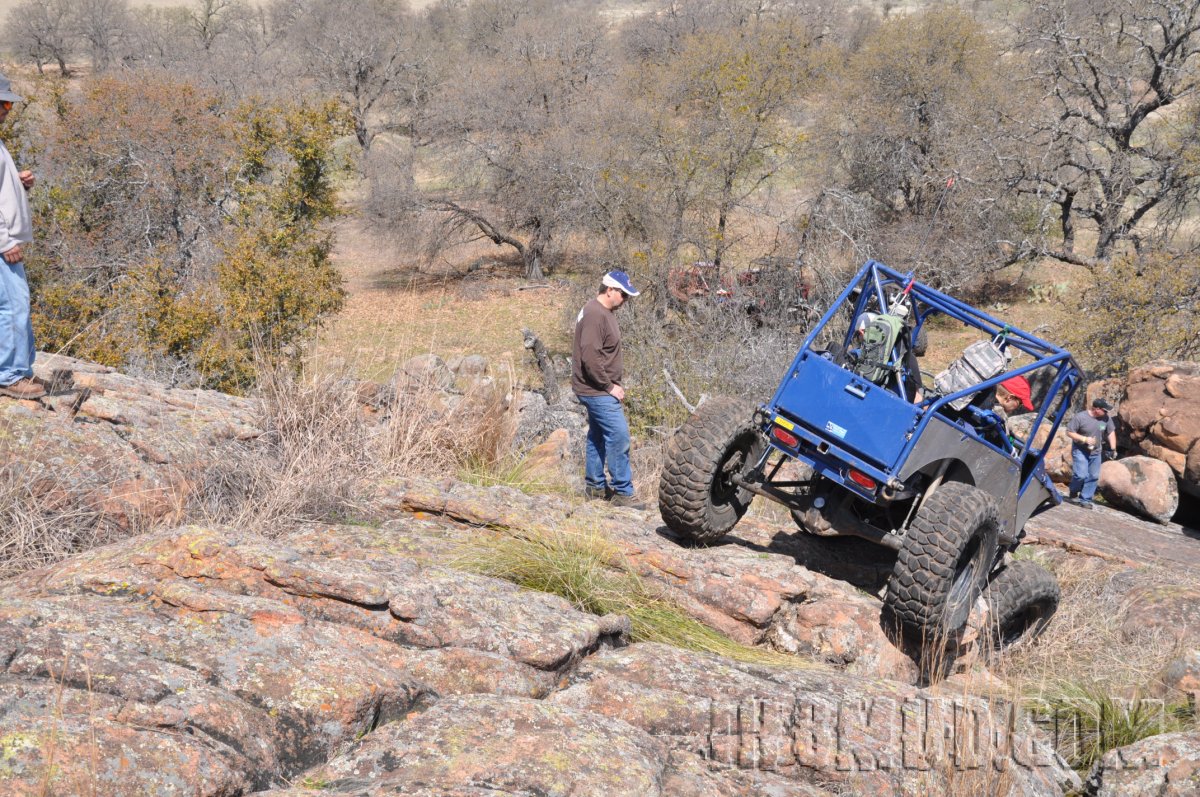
{"x": 828, "y": 729}
{"x": 484, "y": 746}
{"x": 1117, "y": 537}
{"x": 747, "y": 587}
{"x": 228, "y": 661}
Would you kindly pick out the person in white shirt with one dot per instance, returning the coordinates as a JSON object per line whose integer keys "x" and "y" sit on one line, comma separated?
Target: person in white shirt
{"x": 16, "y": 230}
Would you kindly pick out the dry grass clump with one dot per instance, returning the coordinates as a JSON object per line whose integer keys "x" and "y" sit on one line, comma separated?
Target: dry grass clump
{"x": 41, "y": 526}
{"x": 591, "y": 573}
{"x": 324, "y": 453}
{"x": 1084, "y": 643}
{"x": 1085, "y": 722}
{"x": 1082, "y": 680}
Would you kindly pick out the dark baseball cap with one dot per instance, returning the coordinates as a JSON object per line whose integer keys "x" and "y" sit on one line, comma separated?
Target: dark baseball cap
{"x": 1101, "y": 404}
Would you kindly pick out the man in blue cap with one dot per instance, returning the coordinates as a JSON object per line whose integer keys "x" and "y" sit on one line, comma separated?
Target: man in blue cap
{"x": 16, "y": 230}
{"x": 596, "y": 374}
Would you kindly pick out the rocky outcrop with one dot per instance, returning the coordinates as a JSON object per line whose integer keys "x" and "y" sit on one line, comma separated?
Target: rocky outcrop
{"x": 371, "y": 658}
{"x": 1159, "y": 416}
{"x": 126, "y": 453}
{"x": 1142, "y": 485}
{"x": 1167, "y": 765}
{"x": 222, "y": 662}
{"x": 746, "y": 591}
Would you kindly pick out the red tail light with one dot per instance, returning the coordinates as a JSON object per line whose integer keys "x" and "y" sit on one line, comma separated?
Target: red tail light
{"x": 787, "y": 438}
{"x": 862, "y": 480}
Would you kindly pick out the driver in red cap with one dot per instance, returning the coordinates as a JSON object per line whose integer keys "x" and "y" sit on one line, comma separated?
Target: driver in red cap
{"x": 1012, "y": 394}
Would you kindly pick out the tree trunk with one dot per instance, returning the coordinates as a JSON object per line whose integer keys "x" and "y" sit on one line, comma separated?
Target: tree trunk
{"x": 532, "y": 257}
{"x": 362, "y": 134}
{"x": 1068, "y": 222}
{"x": 533, "y": 252}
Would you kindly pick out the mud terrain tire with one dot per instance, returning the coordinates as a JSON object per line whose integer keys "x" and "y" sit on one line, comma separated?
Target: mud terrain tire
{"x": 1023, "y": 596}
{"x": 944, "y": 562}
{"x": 696, "y": 497}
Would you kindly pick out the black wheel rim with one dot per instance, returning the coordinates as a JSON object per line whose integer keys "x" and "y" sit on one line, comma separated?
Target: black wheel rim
{"x": 724, "y": 490}
{"x": 964, "y": 589}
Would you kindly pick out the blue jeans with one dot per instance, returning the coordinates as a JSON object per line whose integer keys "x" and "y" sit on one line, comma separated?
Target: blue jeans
{"x": 607, "y": 444}
{"x": 1085, "y": 473}
{"x": 16, "y": 329}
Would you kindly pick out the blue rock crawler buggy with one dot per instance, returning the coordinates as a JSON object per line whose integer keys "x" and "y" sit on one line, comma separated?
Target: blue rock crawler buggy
{"x": 857, "y": 441}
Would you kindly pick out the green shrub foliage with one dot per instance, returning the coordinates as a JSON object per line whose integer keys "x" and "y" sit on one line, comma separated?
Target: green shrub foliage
{"x": 179, "y": 234}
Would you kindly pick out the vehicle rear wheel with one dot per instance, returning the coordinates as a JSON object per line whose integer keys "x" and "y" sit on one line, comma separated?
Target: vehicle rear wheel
{"x": 943, "y": 563}
{"x": 696, "y": 493}
{"x": 1023, "y": 597}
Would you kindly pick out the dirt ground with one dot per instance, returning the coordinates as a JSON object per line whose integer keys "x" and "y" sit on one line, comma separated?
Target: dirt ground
{"x": 397, "y": 308}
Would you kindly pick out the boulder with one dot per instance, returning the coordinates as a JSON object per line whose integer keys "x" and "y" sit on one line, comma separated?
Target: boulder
{"x": 536, "y": 420}
{"x": 550, "y": 462}
{"x": 1159, "y": 416}
{"x": 423, "y": 372}
{"x": 471, "y": 373}
{"x": 1141, "y": 484}
{"x": 1164, "y": 609}
{"x": 469, "y": 365}
{"x": 1167, "y": 765}
{"x": 1183, "y": 675}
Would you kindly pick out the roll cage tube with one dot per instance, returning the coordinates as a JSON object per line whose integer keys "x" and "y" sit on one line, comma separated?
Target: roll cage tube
{"x": 873, "y": 282}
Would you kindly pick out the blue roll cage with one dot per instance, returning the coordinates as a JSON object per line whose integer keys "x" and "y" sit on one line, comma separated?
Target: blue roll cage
{"x": 875, "y": 280}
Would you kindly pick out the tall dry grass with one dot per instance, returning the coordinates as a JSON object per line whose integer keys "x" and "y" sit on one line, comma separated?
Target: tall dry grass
{"x": 327, "y": 450}
{"x": 39, "y": 526}
{"x": 1084, "y": 641}
{"x": 1089, "y": 687}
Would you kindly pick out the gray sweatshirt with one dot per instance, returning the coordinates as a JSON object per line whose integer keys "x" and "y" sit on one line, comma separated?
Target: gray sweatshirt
{"x": 16, "y": 223}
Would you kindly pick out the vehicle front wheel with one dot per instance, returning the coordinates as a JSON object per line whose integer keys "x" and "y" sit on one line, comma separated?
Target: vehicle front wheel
{"x": 1023, "y": 597}
{"x": 697, "y": 496}
{"x": 943, "y": 563}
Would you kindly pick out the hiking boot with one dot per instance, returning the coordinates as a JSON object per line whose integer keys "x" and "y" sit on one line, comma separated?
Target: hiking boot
{"x": 627, "y": 501}
{"x": 597, "y": 493}
{"x": 23, "y": 389}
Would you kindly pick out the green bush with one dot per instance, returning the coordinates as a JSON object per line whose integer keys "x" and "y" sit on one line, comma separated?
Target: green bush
{"x": 192, "y": 235}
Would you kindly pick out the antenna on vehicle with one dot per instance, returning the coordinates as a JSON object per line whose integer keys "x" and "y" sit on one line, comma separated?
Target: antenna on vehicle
{"x": 900, "y": 303}
{"x": 932, "y": 219}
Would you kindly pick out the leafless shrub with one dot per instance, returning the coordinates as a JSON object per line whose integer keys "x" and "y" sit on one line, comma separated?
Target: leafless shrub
{"x": 326, "y": 451}
{"x": 712, "y": 345}
{"x": 40, "y": 525}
